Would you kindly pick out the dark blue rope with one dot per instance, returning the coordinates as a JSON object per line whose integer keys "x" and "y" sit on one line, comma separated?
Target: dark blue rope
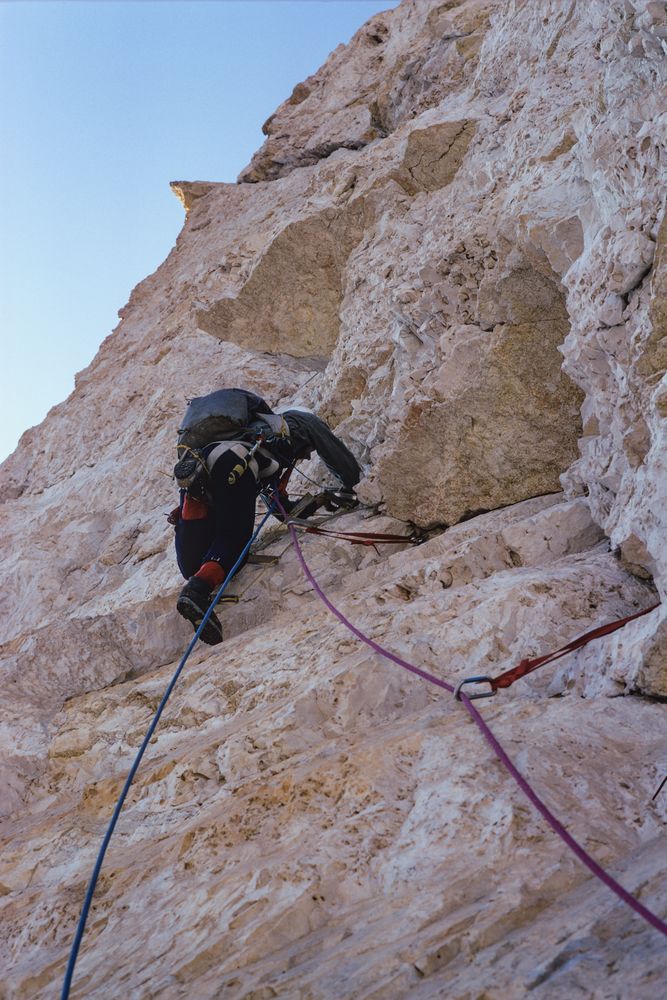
{"x": 133, "y": 770}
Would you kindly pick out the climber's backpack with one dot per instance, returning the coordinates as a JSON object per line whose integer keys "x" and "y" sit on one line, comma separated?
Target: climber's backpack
{"x": 220, "y": 416}
{"x": 226, "y": 415}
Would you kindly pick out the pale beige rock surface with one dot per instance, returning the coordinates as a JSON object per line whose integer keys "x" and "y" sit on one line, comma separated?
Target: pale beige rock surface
{"x": 453, "y": 245}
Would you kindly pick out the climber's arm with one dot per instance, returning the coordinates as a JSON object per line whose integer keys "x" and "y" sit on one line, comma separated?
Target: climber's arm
{"x": 309, "y": 433}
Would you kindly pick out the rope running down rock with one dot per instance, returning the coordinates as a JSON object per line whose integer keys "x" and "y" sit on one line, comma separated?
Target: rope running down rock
{"x": 137, "y": 760}
{"x": 555, "y": 824}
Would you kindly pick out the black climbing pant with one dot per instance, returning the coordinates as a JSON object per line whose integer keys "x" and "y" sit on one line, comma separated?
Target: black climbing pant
{"x": 228, "y": 525}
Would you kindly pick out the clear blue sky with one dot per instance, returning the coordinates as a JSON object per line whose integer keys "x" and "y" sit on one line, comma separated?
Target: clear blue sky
{"x": 103, "y": 104}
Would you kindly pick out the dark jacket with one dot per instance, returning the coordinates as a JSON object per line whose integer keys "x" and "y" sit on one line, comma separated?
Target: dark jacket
{"x": 309, "y": 433}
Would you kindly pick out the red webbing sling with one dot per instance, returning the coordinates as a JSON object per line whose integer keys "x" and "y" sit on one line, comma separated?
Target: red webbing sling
{"x": 359, "y": 537}
{"x": 527, "y": 665}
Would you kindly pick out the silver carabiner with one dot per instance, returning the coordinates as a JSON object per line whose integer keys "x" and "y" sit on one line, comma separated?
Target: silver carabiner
{"x": 475, "y": 680}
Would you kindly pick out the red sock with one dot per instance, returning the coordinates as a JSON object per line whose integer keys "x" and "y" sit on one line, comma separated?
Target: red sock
{"x": 194, "y": 510}
{"x": 211, "y": 573}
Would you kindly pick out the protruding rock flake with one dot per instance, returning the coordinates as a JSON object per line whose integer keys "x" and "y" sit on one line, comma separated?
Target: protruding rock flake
{"x": 452, "y": 246}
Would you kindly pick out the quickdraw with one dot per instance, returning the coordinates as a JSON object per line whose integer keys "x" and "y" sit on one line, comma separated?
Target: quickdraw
{"x": 357, "y": 537}
{"x": 527, "y": 665}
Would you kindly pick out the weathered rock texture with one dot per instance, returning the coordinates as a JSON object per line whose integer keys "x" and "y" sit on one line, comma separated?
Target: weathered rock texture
{"x": 453, "y": 245}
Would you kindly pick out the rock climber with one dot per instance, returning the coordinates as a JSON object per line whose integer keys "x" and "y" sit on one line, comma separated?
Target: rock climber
{"x": 232, "y": 446}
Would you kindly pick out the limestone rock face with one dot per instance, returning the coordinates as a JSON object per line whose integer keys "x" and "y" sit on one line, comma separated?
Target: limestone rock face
{"x": 400, "y": 64}
{"x": 452, "y": 245}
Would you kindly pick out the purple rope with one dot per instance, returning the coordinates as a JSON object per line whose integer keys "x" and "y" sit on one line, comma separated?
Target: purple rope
{"x": 555, "y": 824}
{"x": 558, "y": 827}
{"x": 360, "y": 635}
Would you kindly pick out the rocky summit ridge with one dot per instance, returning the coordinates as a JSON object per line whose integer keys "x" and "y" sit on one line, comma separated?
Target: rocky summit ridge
{"x": 453, "y": 245}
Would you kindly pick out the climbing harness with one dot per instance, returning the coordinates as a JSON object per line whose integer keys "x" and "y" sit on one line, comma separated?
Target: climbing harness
{"x": 527, "y": 665}
{"x": 555, "y": 824}
{"x": 137, "y": 760}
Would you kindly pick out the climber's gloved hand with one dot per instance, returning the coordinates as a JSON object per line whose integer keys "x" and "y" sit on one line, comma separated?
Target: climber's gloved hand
{"x": 174, "y": 516}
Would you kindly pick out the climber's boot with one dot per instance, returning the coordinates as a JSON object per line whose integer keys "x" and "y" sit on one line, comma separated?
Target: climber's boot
{"x": 193, "y": 603}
